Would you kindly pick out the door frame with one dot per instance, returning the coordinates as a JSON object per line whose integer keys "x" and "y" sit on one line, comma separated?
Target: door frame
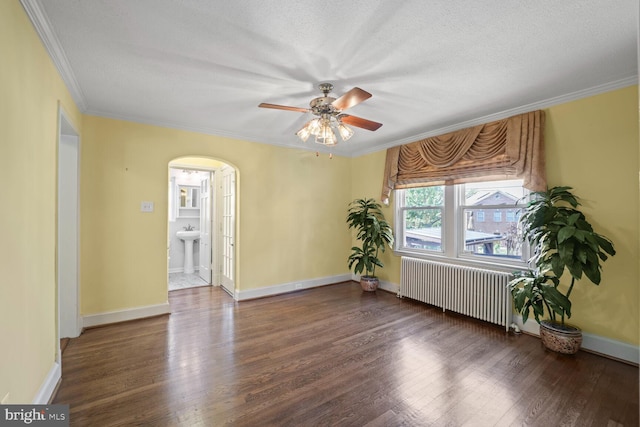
{"x": 68, "y": 222}
{"x": 210, "y": 207}
{"x": 229, "y": 284}
{"x": 180, "y": 163}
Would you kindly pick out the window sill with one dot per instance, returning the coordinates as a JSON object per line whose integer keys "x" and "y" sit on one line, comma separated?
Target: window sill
{"x": 495, "y": 265}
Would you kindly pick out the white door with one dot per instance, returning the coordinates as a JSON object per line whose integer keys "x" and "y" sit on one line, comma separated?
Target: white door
{"x": 205, "y": 229}
{"x": 227, "y": 229}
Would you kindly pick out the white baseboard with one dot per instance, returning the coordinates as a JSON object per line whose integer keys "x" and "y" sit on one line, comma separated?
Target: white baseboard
{"x": 124, "y": 315}
{"x": 608, "y": 347}
{"x": 49, "y": 385}
{"x": 394, "y": 288}
{"x": 289, "y": 287}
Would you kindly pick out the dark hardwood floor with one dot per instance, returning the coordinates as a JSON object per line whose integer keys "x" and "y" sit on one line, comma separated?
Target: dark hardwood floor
{"x": 332, "y": 356}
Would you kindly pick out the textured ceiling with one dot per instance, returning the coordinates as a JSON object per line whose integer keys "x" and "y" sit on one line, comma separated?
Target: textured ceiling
{"x": 432, "y": 66}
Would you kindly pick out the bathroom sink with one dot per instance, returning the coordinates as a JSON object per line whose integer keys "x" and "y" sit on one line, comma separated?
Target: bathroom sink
{"x": 188, "y": 235}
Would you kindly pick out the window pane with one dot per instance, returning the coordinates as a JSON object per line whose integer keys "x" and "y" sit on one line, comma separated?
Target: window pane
{"x": 493, "y": 193}
{"x": 481, "y": 218}
{"x": 495, "y": 238}
{"x": 423, "y": 229}
{"x": 424, "y": 196}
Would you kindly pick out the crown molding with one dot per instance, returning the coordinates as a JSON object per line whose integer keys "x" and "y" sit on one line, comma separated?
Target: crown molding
{"x": 54, "y": 48}
{"x": 546, "y": 103}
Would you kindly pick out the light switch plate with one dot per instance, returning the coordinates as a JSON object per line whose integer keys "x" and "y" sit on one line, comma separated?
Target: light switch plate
{"x": 146, "y": 206}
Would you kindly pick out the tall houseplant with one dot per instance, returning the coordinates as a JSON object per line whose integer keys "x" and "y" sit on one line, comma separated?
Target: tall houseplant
{"x": 562, "y": 241}
{"x": 366, "y": 217}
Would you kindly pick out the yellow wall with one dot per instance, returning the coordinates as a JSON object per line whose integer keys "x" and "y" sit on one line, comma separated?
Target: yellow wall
{"x": 291, "y": 216}
{"x": 591, "y": 145}
{"x": 31, "y": 89}
{"x": 196, "y": 162}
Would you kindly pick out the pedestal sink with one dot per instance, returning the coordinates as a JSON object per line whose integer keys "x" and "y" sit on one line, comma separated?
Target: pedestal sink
{"x": 188, "y": 237}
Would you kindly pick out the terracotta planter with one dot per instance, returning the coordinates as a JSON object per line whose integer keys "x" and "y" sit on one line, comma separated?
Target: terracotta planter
{"x": 561, "y": 339}
{"x": 369, "y": 283}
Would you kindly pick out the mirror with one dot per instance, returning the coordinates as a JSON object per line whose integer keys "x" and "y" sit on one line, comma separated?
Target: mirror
{"x": 189, "y": 196}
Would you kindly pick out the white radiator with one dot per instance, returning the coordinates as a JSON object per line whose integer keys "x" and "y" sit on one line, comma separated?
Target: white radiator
{"x": 474, "y": 292}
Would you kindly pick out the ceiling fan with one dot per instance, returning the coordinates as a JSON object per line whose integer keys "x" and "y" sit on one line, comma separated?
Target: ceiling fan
{"x": 330, "y": 115}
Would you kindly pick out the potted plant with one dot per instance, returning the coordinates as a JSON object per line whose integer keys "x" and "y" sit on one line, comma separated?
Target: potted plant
{"x": 366, "y": 217}
{"x": 562, "y": 240}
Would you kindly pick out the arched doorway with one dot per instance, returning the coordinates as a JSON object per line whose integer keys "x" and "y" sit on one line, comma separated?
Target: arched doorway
{"x": 201, "y": 226}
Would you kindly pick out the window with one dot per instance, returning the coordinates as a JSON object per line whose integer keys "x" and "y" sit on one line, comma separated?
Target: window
{"x": 464, "y": 221}
{"x": 422, "y": 218}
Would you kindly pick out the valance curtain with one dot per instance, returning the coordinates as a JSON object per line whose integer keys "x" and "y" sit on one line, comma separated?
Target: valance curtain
{"x": 511, "y": 148}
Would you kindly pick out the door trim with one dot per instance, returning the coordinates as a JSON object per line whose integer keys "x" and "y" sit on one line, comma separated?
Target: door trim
{"x": 68, "y": 221}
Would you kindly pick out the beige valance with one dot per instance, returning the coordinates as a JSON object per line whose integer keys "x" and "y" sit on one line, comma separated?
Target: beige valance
{"x": 511, "y": 148}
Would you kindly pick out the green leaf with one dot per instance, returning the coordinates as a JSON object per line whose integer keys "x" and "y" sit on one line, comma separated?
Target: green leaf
{"x": 525, "y": 314}
{"x": 557, "y": 301}
{"x": 594, "y": 275}
{"x": 575, "y": 268}
{"x": 581, "y": 254}
{"x": 605, "y": 244}
{"x": 580, "y": 235}
{"x": 565, "y": 233}
{"x": 566, "y": 251}
{"x": 557, "y": 265}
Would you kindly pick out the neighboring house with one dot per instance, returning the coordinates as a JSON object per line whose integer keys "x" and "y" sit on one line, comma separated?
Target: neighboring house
{"x": 492, "y": 228}
{"x": 499, "y": 218}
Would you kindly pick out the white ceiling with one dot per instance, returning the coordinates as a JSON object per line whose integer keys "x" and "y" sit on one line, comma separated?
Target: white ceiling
{"x": 432, "y": 65}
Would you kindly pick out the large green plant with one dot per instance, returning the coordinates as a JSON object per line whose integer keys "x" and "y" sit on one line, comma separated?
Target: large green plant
{"x": 366, "y": 217}
{"x": 562, "y": 240}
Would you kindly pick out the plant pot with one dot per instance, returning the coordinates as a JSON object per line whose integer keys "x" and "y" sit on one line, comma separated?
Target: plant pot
{"x": 369, "y": 283}
{"x": 561, "y": 339}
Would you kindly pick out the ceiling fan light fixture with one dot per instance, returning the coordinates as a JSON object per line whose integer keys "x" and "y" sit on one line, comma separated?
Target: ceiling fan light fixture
{"x": 310, "y": 128}
{"x": 328, "y": 139}
{"x": 329, "y": 111}
{"x": 325, "y": 134}
{"x": 304, "y": 133}
{"x": 345, "y": 131}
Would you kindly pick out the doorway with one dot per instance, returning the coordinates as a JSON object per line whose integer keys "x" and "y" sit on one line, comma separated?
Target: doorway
{"x": 69, "y": 322}
{"x": 200, "y": 249}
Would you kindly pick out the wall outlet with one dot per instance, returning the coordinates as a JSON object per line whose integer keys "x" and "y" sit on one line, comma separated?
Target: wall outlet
{"x": 298, "y": 286}
{"x": 5, "y": 399}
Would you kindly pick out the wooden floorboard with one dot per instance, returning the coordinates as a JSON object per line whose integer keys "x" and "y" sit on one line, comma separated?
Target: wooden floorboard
{"x": 332, "y": 356}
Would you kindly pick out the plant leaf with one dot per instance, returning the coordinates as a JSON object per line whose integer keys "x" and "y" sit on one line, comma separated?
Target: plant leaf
{"x": 565, "y": 233}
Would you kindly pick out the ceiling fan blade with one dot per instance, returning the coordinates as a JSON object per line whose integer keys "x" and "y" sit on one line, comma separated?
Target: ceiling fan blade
{"x": 283, "y": 107}
{"x": 359, "y": 122}
{"x": 354, "y": 97}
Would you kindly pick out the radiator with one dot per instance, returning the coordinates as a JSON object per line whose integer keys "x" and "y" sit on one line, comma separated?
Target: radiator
{"x": 482, "y": 294}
